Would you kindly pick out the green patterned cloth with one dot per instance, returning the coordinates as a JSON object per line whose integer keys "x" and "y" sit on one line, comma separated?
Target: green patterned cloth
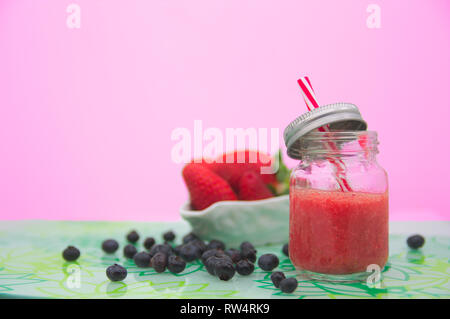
{"x": 31, "y": 266}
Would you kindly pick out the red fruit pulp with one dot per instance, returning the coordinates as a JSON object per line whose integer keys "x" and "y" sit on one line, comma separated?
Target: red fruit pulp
{"x": 337, "y": 232}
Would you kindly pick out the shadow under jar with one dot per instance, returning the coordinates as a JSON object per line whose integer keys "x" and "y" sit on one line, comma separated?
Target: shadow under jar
{"x": 336, "y": 233}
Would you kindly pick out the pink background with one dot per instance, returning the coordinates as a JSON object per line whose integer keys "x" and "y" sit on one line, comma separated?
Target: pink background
{"x": 86, "y": 114}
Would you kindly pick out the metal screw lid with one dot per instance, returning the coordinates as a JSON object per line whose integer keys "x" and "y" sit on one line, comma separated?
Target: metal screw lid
{"x": 338, "y": 117}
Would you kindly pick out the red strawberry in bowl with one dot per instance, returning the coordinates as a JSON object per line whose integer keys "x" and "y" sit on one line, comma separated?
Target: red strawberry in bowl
{"x": 205, "y": 187}
{"x": 252, "y": 187}
{"x": 231, "y": 166}
{"x": 258, "y": 211}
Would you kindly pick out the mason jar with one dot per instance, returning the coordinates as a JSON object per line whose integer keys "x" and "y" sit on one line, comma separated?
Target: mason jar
{"x": 338, "y": 220}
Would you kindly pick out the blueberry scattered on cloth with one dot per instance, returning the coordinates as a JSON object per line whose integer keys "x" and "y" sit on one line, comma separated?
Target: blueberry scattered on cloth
{"x": 189, "y": 252}
{"x": 129, "y": 251}
{"x": 216, "y": 244}
{"x": 209, "y": 253}
{"x": 277, "y": 277}
{"x": 244, "y": 267}
{"x": 149, "y": 242}
{"x": 110, "y": 246}
{"x": 415, "y": 241}
{"x": 268, "y": 262}
{"x": 161, "y": 248}
{"x": 133, "y": 236}
{"x": 234, "y": 254}
{"x": 116, "y": 272}
{"x": 247, "y": 245}
{"x": 176, "y": 264}
{"x": 200, "y": 244}
{"x": 142, "y": 259}
{"x": 71, "y": 253}
{"x": 285, "y": 249}
{"x": 249, "y": 254}
{"x": 159, "y": 262}
{"x": 169, "y": 236}
{"x": 288, "y": 285}
{"x": 224, "y": 269}
{"x": 189, "y": 237}
{"x": 210, "y": 264}
{"x": 248, "y": 251}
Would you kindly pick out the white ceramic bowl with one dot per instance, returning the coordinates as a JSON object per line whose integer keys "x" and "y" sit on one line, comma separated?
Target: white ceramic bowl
{"x": 259, "y": 222}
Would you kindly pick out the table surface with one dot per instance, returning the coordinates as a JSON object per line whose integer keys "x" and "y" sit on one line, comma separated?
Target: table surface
{"x": 31, "y": 266}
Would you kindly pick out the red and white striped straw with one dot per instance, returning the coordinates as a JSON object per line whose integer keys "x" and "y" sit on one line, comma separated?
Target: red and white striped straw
{"x": 311, "y": 103}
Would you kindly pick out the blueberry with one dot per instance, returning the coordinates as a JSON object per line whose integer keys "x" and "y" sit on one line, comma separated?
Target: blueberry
{"x": 215, "y": 244}
{"x": 285, "y": 249}
{"x": 129, "y": 251}
{"x": 210, "y": 264}
{"x": 288, "y": 285}
{"x": 212, "y": 260}
{"x": 209, "y": 253}
{"x": 247, "y": 246}
{"x": 234, "y": 254}
{"x": 169, "y": 236}
{"x": 196, "y": 242}
{"x": 249, "y": 254}
{"x": 142, "y": 259}
{"x": 415, "y": 241}
{"x": 190, "y": 252}
{"x": 116, "y": 272}
{"x": 277, "y": 277}
{"x": 149, "y": 242}
{"x": 71, "y": 253}
{"x": 176, "y": 264}
{"x": 215, "y": 252}
{"x": 200, "y": 244}
{"x": 268, "y": 262}
{"x": 161, "y": 248}
{"x": 224, "y": 269}
{"x": 176, "y": 249}
{"x": 110, "y": 246}
{"x": 159, "y": 262}
{"x": 222, "y": 254}
{"x": 133, "y": 236}
{"x": 244, "y": 267}
{"x": 189, "y": 237}
{"x": 248, "y": 251}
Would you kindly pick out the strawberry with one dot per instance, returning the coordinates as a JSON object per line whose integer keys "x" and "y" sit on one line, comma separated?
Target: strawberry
{"x": 205, "y": 187}
{"x": 252, "y": 187}
{"x": 240, "y": 162}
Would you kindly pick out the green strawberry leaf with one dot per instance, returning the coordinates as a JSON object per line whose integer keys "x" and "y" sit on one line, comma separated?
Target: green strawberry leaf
{"x": 273, "y": 189}
{"x": 283, "y": 176}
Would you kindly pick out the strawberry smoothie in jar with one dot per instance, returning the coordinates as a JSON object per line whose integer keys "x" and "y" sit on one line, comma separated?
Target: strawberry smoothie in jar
{"x": 338, "y": 220}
